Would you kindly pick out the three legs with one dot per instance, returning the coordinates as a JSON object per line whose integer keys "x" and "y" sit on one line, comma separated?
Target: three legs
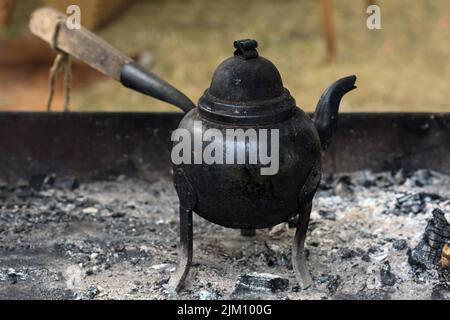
{"x": 186, "y": 250}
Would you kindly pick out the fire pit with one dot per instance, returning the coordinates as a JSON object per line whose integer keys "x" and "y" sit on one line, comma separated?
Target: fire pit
{"x": 88, "y": 210}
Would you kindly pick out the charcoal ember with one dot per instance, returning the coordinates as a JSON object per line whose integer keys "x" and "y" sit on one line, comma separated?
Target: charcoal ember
{"x": 12, "y": 276}
{"x": 66, "y": 183}
{"x": 333, "y": 284}
{"x": 117, "y": 215}
{"x": 132, "y": 205}
{"x": 427, "y": 254}
{"x": 379, "y": 180}
{"x": 90, "y": 293}
{"x": 425, "y": 197}
{"x": 89, "y": 272}
{"x": 400, "y": 244}
{"x": 328, "y": 215}
{"x": 409, "y": 203}
{"x": 388, "y": 279}
{"x": 441, "y": 292}
{"x": 364, "y": 234}
{"x": 347, "y": 253}
{"x": 413, "y": 203}
{"x": 39, "y": 181}
{"x": 422, "y": 178}
{"x": 365, "y": 258}
{"x": 135, "y": 286}
{"x": 264, "y": 282}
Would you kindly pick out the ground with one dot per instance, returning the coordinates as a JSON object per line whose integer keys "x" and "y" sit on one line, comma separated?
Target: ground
{"x": 118, "y": 239}
{"x": 402, "y": 67}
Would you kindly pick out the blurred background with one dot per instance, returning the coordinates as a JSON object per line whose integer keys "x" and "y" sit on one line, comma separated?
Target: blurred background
{"x": 402, "y": 67}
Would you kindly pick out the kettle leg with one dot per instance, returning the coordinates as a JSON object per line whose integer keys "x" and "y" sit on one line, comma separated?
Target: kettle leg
{"x": 186, "y": 250}
{"x": 298, "y": 249}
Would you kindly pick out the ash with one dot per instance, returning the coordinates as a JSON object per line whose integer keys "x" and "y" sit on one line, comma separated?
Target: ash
{"x": 118, "y": 240}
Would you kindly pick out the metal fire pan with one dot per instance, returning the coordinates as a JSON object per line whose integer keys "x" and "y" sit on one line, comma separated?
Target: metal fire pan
{"x": 103, "y": 145}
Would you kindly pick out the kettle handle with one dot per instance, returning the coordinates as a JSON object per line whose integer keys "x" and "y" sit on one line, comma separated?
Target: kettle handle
{"x": 89, "y": 48}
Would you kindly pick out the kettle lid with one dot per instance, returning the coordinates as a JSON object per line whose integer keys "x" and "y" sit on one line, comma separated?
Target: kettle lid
{"x": 247, "y": 89}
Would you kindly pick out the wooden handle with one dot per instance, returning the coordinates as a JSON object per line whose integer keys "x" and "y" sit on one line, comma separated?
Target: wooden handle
{"x": 79, "y": 43}
{"x": 87, "y": 47}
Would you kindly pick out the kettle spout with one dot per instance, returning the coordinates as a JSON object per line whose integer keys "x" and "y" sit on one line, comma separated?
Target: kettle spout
{"x": 326, "y": 115}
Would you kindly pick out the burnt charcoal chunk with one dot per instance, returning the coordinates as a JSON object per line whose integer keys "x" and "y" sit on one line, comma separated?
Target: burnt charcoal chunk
{"x": 424, "y": 196}
{"x": 369, "y": 184}
{"x": 347, "y": 253}
{"x": 66, "y": 183}
{"x": 117, "y": 215}
{"x": 328, "y": 215}
{"x": 13, "y": 278}
{"x": 414, "y": 203}
{"x": 422, "y": 178}
{"x": 333, "y": 284}
{"x": 387, "y": 277}
{"x": 260, "y": 282}
{"x": 427, "y": 253}
{"x": 441, "y": 292}
{"x": 409, "y": 203}
{"x": 90, "y": 293}
{"x": 400, "y": 244}
{"x": 38, "y": 181}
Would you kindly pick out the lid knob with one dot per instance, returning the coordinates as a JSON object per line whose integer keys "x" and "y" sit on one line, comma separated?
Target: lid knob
{"x": 246, "y": 49}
